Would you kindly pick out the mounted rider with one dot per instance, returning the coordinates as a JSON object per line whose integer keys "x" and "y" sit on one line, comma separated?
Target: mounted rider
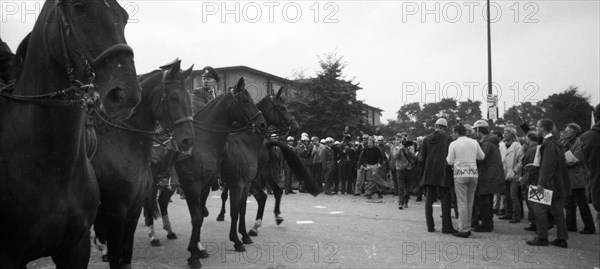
{"x": 207, "y": 90}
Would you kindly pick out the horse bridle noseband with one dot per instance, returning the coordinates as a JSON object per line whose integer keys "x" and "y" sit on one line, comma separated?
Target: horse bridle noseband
{"x": 285, "y": 128}
{"x": 88, "y": 93}
{"x": 250, "y": 121}
{"x": 165, "y": 104}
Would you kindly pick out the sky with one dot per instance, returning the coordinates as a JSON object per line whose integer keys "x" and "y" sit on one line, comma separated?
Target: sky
{"x": 399, "y": 51}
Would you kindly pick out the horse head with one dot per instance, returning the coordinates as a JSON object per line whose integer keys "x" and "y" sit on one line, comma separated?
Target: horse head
{"x": 246, "y": 110}
{"x": 174, "y": 108}
{"x": 78, "y": 42}
{"x": 276, "y": 113}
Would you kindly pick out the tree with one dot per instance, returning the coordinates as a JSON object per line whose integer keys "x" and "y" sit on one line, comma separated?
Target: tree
{"x": 568, "y": 106}
{"x": 331, "y": 104}
{"x": 527, "y": 112}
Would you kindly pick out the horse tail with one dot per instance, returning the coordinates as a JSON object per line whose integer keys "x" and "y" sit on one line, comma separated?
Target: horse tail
{"x": 297, "y": 167}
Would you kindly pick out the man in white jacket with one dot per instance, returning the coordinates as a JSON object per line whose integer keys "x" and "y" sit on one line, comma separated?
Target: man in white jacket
{"x": 463, "y": 154}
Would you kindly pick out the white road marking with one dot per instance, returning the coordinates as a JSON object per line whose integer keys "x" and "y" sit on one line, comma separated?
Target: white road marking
{"x": 320, "y": 206}
{"x": 336, "y": 212}
{"x": 304, "y": 222}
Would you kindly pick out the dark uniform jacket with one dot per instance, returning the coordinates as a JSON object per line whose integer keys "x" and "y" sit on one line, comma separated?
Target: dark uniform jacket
{"x": 591, "y": 151}
{"x": 577, "y": 171}
{"x": 436, "y": 171}
{"x": 201, "y": 97}
{"x": 553, "y": 168}
{"x": 490, "y": 169}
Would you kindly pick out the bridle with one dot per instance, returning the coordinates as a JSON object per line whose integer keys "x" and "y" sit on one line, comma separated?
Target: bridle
{"x": 285, "y": 128}
{"x": 165, "y": 105}
{"x": 85, "y": 95}
{"x": 249, "y": 127}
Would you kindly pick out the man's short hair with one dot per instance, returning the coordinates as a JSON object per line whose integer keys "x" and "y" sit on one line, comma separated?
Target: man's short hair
{"x": 597, "y": 113}
{"x": 547, "y": 125}
{"x": 533, "y": 136}
{"x": 460, "y": 129}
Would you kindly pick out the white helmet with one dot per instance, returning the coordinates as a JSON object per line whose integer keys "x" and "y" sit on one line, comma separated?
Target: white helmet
{"x": 441, "y": 121}
{"x": 481, "y": 123}
{"x": 337, "y": 143}
{"x": 304, "y": 134}
{"x": 322, "y": 141}
{"x": 304, "y": 138}
{"x": 380, "y": 138}
{"x": 329, "y": 139}
{"x": 290, "y": 138}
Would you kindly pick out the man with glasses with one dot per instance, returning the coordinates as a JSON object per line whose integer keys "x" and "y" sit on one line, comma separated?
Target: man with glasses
{"x": 553, "y": 176}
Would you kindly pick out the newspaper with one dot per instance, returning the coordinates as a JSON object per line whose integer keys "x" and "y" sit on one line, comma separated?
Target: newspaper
{"x": 537, "y": 197}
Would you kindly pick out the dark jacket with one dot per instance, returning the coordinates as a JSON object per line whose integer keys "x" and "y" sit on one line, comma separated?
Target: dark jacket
{"x": 553, "y": 168}
{"x": 591, "y": 151}
{"x": 370, "y": 156}
{"x": 577, "y": 171}
{"x": 530, "y": 175}
{"x": 490, "y": 169}
{"x": 436, "y": 171}
{"x": 347, "y": 162}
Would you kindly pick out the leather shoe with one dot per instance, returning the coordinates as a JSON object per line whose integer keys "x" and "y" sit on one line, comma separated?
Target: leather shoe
{"x": 537, "y": 242}
{"x": 514, "y": 221}
{"x": 587, "y": 232}
{"x": 532, "y": 228}
{"x": 463, "y": 235}
{"x": 505, "y": 217}
{"x": 481, "y": 229}
{"x": 431, "y": 230}
{"x": 570, "y": 229}
{"x": 357, "y": 194}
{"x": 559, "y": 243}
{"x": 449, "y": 231}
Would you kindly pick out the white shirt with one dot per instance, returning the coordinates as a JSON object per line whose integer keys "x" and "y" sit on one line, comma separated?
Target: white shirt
{"x": 463, "y": 154}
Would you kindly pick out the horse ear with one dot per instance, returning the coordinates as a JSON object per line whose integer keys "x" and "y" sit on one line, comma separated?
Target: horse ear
{"x": 279, "y": 93}
{"x": 186, "y": 73}
{"x": 240, "y": 85}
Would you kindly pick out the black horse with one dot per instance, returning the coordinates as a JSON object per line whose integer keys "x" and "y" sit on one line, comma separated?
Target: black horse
{"x": 249, "y": 151}
{"x": 48, "y": 191}
{"x": 214, "y": 122}
{"x": 122, "y": 162}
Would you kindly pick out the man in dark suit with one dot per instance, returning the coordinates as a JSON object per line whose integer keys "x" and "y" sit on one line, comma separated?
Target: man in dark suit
{"x": 437, "y": 175}
{"x": 590, "y": 141}
{"x": 553, "y": 176}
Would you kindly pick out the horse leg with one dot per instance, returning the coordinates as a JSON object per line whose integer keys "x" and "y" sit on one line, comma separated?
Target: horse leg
{"x": 150, "y": 206}
{"x": 261, "y": 200}
{"x": 242, "y": 221}
{"x": 75, "y": 258}
{"x": 193, "y": 246}
{"x": 100, "y": 235}
{"x": 221, "y": 216}
{"x": 163, "y": 203}
{"x": 277, "y": 192}
{"x": 130, "y": 226}
{"x": 115, "y": 224}
{"x": 235, "y": 193}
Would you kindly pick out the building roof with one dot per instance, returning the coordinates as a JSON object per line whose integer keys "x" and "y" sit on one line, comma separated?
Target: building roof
{"x": 248, "y": 69}
{"x": 372, "y": 107}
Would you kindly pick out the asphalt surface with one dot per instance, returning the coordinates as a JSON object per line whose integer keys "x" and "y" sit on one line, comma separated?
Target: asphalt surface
{"x": 345, "y": 231}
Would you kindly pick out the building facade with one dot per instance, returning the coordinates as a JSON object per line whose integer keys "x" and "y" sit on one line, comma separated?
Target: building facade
{"x": 260, "y": 84}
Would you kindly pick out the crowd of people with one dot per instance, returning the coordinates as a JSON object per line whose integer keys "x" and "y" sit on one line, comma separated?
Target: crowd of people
{"x": 468, "y": 168}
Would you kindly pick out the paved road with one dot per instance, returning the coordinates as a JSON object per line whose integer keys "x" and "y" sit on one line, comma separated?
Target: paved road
{"x": 345, "y": 231}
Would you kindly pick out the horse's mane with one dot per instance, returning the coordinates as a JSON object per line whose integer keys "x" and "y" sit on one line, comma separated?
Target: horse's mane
{"x": 143, "y": 77}
{"x": 211, "y": 104}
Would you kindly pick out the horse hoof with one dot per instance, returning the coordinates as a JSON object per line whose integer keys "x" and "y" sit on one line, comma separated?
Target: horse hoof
{"x": 247, "y": 240}
{"x": 126, "y": 266}
{"x": 220, "y": 218}
{"x": 194, "y": 263}
{"x": 203, "y": 254}
{"x": 171, "y": 236}
{"x": 155, "y": 243}
{"x": 253, "y": 233}
{"x": 239, "y": 248}
{"x": 279, "y": 220}
{"x": 105, "y": 258}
